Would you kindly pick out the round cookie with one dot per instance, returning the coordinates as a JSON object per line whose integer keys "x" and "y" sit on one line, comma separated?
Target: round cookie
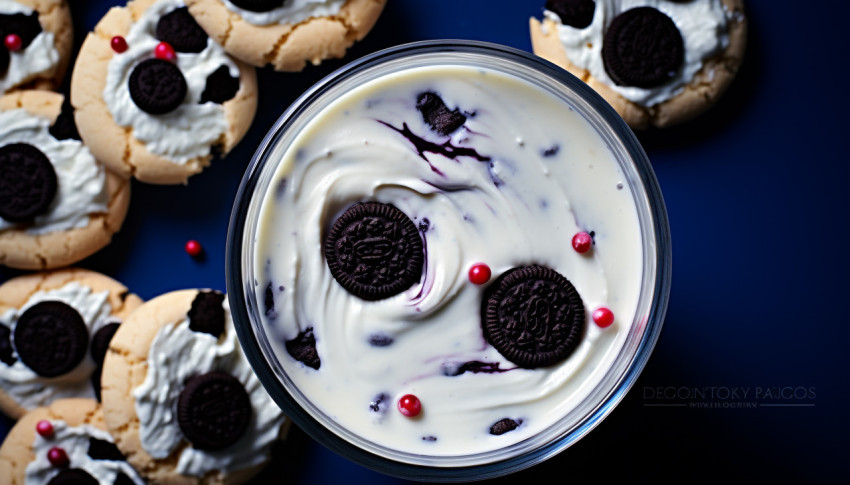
{"x": 98, "y": 300}
{"x": 685, "y": 94}
{"x": 208, "y": 394}
{"x": 76, "y": 426}
{"x": 287, "y": 37}
{"x": 168, "y": 144}
{"x": 90, "y": 203}
{"x": 46, "y": 33}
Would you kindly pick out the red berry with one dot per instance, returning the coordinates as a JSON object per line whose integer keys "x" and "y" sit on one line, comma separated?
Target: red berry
{"x": 13, "y": 42}
{"x": 44, "y": 428}
{"x": 409, "y": 405}
{"x": 193, "y": 248}
{"x": 57, "y": 457}
{"x": 603, "y": 317}
{"x": 479, "y": 273}
{"x": 118, "y": 44}
{"x": 165, "y": 52}
{"x": 582, "y": 242}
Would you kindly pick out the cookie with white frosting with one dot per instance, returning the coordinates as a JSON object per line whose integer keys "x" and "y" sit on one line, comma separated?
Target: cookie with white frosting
{"x": 36, "y": 36}
{"x": 181, "y": 399}
{"x": 66, "y": 442}
{"x": 154, "y": 95}
{"x": 286, "y": 35}
{"x": 670, "y": 70}
{"x": 54, "y": 327}
{"x": 62, "y": 205}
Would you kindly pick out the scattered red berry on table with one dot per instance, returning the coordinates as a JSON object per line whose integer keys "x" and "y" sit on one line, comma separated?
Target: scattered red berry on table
{"x": 193, "y": 248}
{"x": 479, "y": 273}
{"x": 57, "y": 457}
{"x": 582, "y": 242}
{"x": 13, "y": 42}
{"x": 603, "y": 317}
{"x": 44, "y": 428}
{"x": 165, "y": 52}
{"x": 409, "y": 405}
{"x": 118, "y": 44}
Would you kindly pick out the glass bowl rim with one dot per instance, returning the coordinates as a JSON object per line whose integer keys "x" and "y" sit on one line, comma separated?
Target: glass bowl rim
{"x": 323, "y": 435}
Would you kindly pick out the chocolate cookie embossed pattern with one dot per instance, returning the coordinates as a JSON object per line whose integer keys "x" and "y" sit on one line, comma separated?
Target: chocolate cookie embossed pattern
{"x": 497, "y": 160}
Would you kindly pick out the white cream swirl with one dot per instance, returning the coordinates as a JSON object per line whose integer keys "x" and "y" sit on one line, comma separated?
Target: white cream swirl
{"x": 31, "y": 390}
{"x": 177, "y": 353}
{"x": 188, "y": 131}
{"x": 39, "y": 59}
{"x": 75, "y": 441}
{"x": 549, "y": 175}
{"x": 290, "y": 12}
{"x": 704, "y": 25}
{"x": 81, "y": 181}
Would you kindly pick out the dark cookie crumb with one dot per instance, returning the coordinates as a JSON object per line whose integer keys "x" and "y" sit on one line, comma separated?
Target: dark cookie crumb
{"x": 268, "y": 301}
{"x": 429, "y": 438}
{"x": 6, "y": 353}
{"x": 73, "y": 476}
{"x": 575, "y": 13}
{"x": 104, "y": 450}
{"x": 379, "y": 403}
{"x": 551, "y": 151}
{"x": 207, "y": 313}
{"x": 437, "y": 115}
{"x": 65, "y": 128}
{"x": 503, "y": 426}
{"x": 220, "y": 87}
{"x": 380, "y": 340}
{"x": 424, "y": 224}
{"x": 303, "y": 349}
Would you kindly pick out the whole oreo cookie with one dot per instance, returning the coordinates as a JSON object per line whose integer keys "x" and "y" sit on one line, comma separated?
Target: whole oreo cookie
{"x": 157, "y": 86}
{"x": 374, "y": 251}
{"x": 258, "y": 5}
{"x": 575, "y": 13}
{"x": 220, "y": 87}
{"x": 73, "y": 476}
{"x": 207, "y": 314}
{"x": 213, "y": 410}
{"x": 51, "y": 338}
{"x": 180, "y": 29}
{"x": 27, "y": 182}
{"x": 643, "y": 48}
{"x": 533, "y": 316}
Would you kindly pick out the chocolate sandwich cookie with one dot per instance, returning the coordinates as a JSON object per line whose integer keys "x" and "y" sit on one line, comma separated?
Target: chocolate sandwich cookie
{"x": 37, "y": 39}
{"x": 374, "y": 251}
{"x": 155, "y": 94}
{"x": 224, "y": 423}
{"x": 286, "y": 35}
{"x": 58, "y": 204}
{"x": 533, "y": 316}
{"x": 64, "y": 443}
{"x": 657, "y": 62}
{"x": 54, "y": 329}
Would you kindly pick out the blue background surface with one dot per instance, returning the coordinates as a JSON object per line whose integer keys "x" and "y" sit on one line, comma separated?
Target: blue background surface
{"x": 749, "y": 378}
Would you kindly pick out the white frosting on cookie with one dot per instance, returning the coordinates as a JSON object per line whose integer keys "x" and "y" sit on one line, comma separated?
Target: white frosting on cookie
{"x": 75, "y": 441}
{"x": 704, "y": 25}
{"x": 549, "y": 175}
{"x": 31, "y": 390}
{"x": 81, "y": 181}
{"x": 39, "y": 59}
{"x": 177, "y": 353}
{"x": 188, "y": 131}
{"x": 290, "y": 12}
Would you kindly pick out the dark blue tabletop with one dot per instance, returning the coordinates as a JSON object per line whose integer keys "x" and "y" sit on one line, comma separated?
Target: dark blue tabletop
{"x": 748, "y": 380}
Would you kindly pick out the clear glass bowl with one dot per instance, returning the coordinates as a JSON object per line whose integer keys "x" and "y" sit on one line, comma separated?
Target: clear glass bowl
{"x": 642, "y": 334}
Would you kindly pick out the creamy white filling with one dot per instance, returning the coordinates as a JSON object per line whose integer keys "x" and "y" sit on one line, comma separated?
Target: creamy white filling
{"x": 178, "y": 353}
{"x": 75, "y": 441}
{"x": 188, "y": 131}
{"x": 31, "y": 390}
{"x": 39, "y": 59}
{"x": 704, "y": 25}
{"x": 519, "y": 208}
{"x": 81, "y": 181}
{"x": 290, "y": 12}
